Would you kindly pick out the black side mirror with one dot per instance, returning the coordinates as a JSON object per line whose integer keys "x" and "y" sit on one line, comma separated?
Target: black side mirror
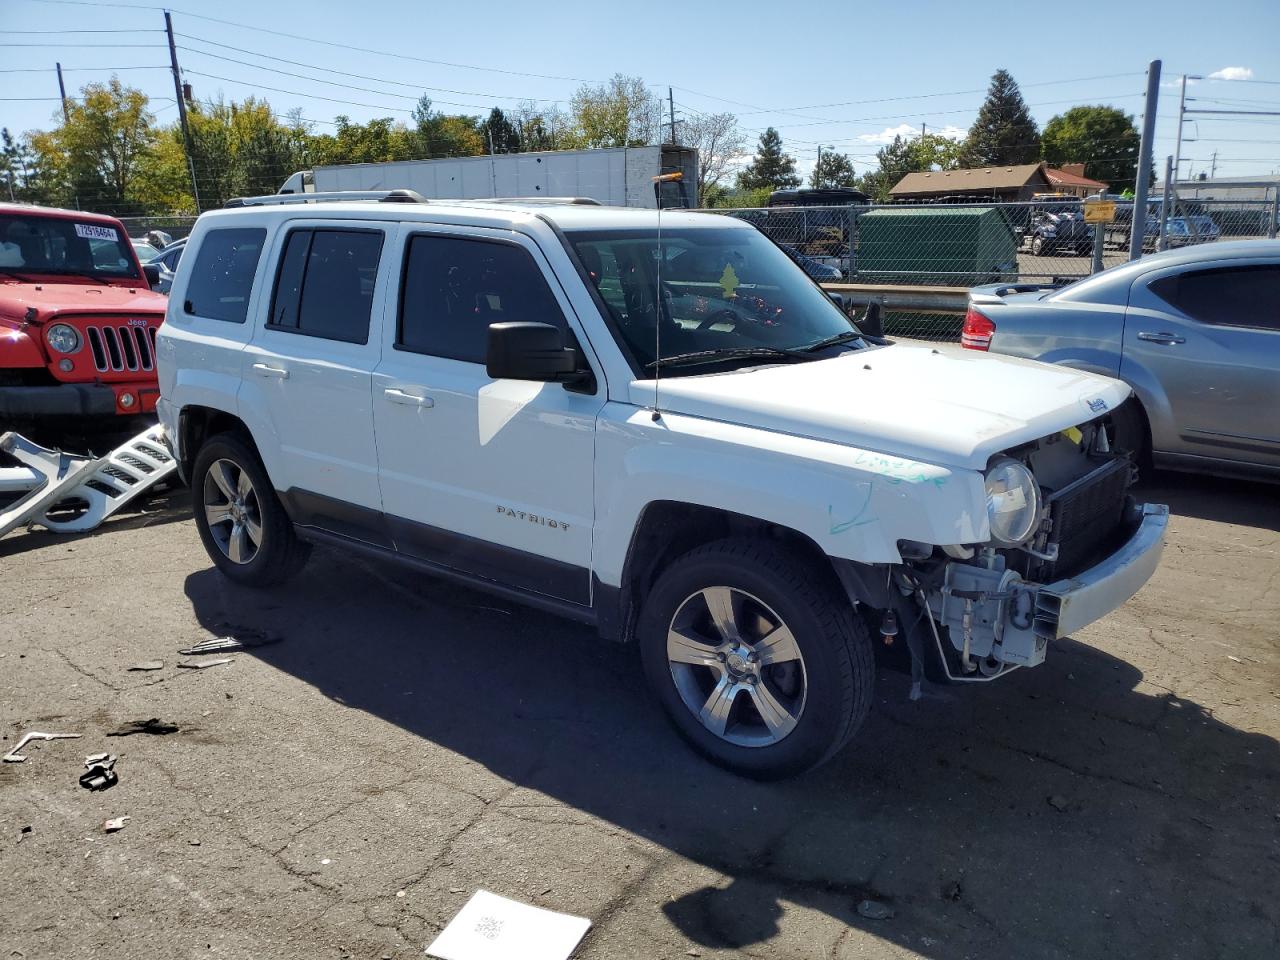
{"x": 152, "y": 272}
{"x": 871, "y": 322}
{"x": 839, "y": 300}
{"x": 530, "y": 351}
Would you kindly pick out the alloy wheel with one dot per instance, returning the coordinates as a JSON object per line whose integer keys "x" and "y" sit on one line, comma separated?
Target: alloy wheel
{"x": 736, "y": 666}
{"x": 232, "y": 511}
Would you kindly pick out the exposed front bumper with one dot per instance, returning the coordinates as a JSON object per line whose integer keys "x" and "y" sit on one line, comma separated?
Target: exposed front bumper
{"x": 1066, "y": 606}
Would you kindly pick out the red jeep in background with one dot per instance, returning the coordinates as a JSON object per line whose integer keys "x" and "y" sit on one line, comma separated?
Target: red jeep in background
{"x": 78, "y": 319}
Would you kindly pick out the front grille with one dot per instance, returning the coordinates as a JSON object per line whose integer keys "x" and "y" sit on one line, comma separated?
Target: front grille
{"x": 122, "y": 347}
{"x": 1085, "y": 517}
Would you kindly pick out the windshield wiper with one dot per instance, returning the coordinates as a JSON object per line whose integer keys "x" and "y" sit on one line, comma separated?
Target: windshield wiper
{"x": 845, "y": 337}
{"x": 729, "y": 353}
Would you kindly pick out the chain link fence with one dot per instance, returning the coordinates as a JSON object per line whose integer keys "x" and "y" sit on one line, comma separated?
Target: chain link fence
{"x": 960, "y": 245}
{"x": 176, "y": 227}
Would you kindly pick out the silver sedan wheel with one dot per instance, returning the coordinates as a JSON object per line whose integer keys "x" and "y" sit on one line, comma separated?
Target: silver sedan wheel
{"x": 736, "y": 666}
{"x": 232, "y": 511}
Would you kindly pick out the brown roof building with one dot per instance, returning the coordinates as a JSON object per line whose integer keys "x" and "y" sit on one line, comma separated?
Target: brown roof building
{"x": 1018, "y": 182}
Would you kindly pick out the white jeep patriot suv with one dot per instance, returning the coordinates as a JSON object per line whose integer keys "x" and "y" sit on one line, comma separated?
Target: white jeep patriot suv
{"x": 666, "y": 430}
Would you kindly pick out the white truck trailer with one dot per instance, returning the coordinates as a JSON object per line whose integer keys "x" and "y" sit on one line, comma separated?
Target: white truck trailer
{"x": 621, "y": 176}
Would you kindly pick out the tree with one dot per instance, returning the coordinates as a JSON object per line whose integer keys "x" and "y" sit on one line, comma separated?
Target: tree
{"x": 93, "y": 157}
{"x": 832, "y": 170}
{"x": 718, "y": 141}
{"x": 903, "y": 156}
{"x": 446, "y": 135}
{"x": 1104, "y": 139}
{"x": 539, "y": 129}
{"x": 771, "y": 167}
{"x": 499, "y": 134}
{"x": 620, "y": 113}
{"x": 1004, "y": 132}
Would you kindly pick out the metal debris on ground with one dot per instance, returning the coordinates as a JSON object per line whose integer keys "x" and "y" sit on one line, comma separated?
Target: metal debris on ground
{"x": 13, "y": 756}
{"x": 101, "y": 773}
{"x": 148, "y": 665}
{"x": 154, "y": 726}
{"x": 875, "y": 910}
{"x": 245, "y": 638}
{"x": 114, "y": 824}
{"x": 205, "y": 664}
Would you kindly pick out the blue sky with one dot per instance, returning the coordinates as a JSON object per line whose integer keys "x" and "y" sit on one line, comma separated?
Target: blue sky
{"x": 842, "y": 75}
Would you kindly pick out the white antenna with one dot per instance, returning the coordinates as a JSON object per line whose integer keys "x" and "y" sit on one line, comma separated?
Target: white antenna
{"x": 658, "y": 181}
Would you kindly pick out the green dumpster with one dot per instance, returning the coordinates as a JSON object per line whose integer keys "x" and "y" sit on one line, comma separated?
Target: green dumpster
{"x": 946, "y": 245}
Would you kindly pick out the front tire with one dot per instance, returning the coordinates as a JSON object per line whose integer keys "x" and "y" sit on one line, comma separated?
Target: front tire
{"x": 242, "y": 524}
{"x": 762, "y": 667}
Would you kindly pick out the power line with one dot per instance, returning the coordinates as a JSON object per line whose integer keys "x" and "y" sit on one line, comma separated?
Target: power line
{"x": 343, "y": 73}
{"x": 296, "y": 93}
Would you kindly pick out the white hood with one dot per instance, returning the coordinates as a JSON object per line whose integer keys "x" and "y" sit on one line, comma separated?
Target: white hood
{"x": 946, "y": 406}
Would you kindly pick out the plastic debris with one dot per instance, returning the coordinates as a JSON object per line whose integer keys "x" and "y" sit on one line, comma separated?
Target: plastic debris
{"x": 13, "y": 756}
{"x": 22, "y": 834}
{"x": 154, "y": 726}
{"x": 93, "y": 758}
{"x": 875, "y": 910}
{"x": 490, "y": 927}
{"x": 204, "y": 664}
{"x": 114, "y": 824}
{"x": 148, "y": 665}
{"x": 101, "y": 774}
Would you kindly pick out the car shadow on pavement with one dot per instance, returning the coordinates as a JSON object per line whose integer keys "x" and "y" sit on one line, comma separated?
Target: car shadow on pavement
{"x": 1069, "y": 810}
{"x": 170, "y": 505}
{"x": 1220, "y": 499}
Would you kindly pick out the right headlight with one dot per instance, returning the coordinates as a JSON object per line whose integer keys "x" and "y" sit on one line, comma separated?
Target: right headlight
{"x": 63, "y": 338}
{"x": 1013, "y": 502}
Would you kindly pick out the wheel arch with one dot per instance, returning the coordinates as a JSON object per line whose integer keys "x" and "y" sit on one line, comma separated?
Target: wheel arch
{"x": 196, "y": 424}
{"x": 669, "y": 529}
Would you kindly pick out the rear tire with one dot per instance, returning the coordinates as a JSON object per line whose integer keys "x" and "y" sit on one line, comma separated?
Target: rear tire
{"x": 242, "y": 524}
{"x": 761, "y": 666}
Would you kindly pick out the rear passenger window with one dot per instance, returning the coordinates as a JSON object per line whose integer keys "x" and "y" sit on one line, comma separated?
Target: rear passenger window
{"x": 222, "y": 277}
{"x": 453, "y": 288}
{"x": 325, "y": 284}
{"x": 1226, "y": 296}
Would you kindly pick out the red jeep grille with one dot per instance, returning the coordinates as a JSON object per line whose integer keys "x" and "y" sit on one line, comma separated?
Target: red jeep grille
{"x": 122, "y": 347}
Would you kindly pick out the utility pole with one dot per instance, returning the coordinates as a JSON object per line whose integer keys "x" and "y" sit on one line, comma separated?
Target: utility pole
{"x": 1162, "y": 242}
{"x": 62, "y": 90}
{"x": 182, "y": 108}
{"x": 671, "y": 102}
{"x": 1138, "y": 226}
{"x": 924, "y": 130}
{"x": 1213, "y": 167}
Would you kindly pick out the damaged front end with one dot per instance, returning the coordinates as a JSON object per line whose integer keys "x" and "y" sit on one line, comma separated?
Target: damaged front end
{"x": 1069, "y": 544}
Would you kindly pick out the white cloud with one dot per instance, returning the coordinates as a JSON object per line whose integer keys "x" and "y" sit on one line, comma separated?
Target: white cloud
{"x": 1232, "y": 73}
{"x": 906, "y": 131}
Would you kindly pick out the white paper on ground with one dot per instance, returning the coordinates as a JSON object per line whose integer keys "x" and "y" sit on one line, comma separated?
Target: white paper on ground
{"x": 491, "y": 927}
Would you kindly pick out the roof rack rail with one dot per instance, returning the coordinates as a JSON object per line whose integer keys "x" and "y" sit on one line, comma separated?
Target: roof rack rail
{"x": 576, "y": 201}
{"x": 382, "y": 196}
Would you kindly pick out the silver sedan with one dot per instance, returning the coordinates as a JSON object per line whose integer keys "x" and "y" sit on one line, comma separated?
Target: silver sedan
{"x": 1195, "y": 332}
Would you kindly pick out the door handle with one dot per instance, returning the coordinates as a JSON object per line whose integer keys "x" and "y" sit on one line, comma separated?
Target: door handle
{"x": 1168, "y": 339}
{"x": 266, "y": 370}
{"x": 396, "y": 395}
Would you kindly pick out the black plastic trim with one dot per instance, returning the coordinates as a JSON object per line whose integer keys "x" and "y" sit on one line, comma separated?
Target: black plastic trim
{"x": 562, "y": 608}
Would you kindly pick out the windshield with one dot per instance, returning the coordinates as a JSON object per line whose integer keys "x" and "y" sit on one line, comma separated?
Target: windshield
{"x": 146, "y": 252}
{"x": 723, "y": 289}
{"x": 33, "y": 244}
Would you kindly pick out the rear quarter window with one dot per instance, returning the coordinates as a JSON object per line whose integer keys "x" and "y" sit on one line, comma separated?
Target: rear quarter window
{"x": 221, "y": 277}
{"x": 1239, "y": 296}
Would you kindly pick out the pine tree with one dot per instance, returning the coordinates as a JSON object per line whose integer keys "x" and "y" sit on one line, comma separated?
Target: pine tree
{"x": 833, "y": 170}
{"x": 771, "y": 167}
{"x": 499, "y": 133}
{"x": 1004, "y": 132}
